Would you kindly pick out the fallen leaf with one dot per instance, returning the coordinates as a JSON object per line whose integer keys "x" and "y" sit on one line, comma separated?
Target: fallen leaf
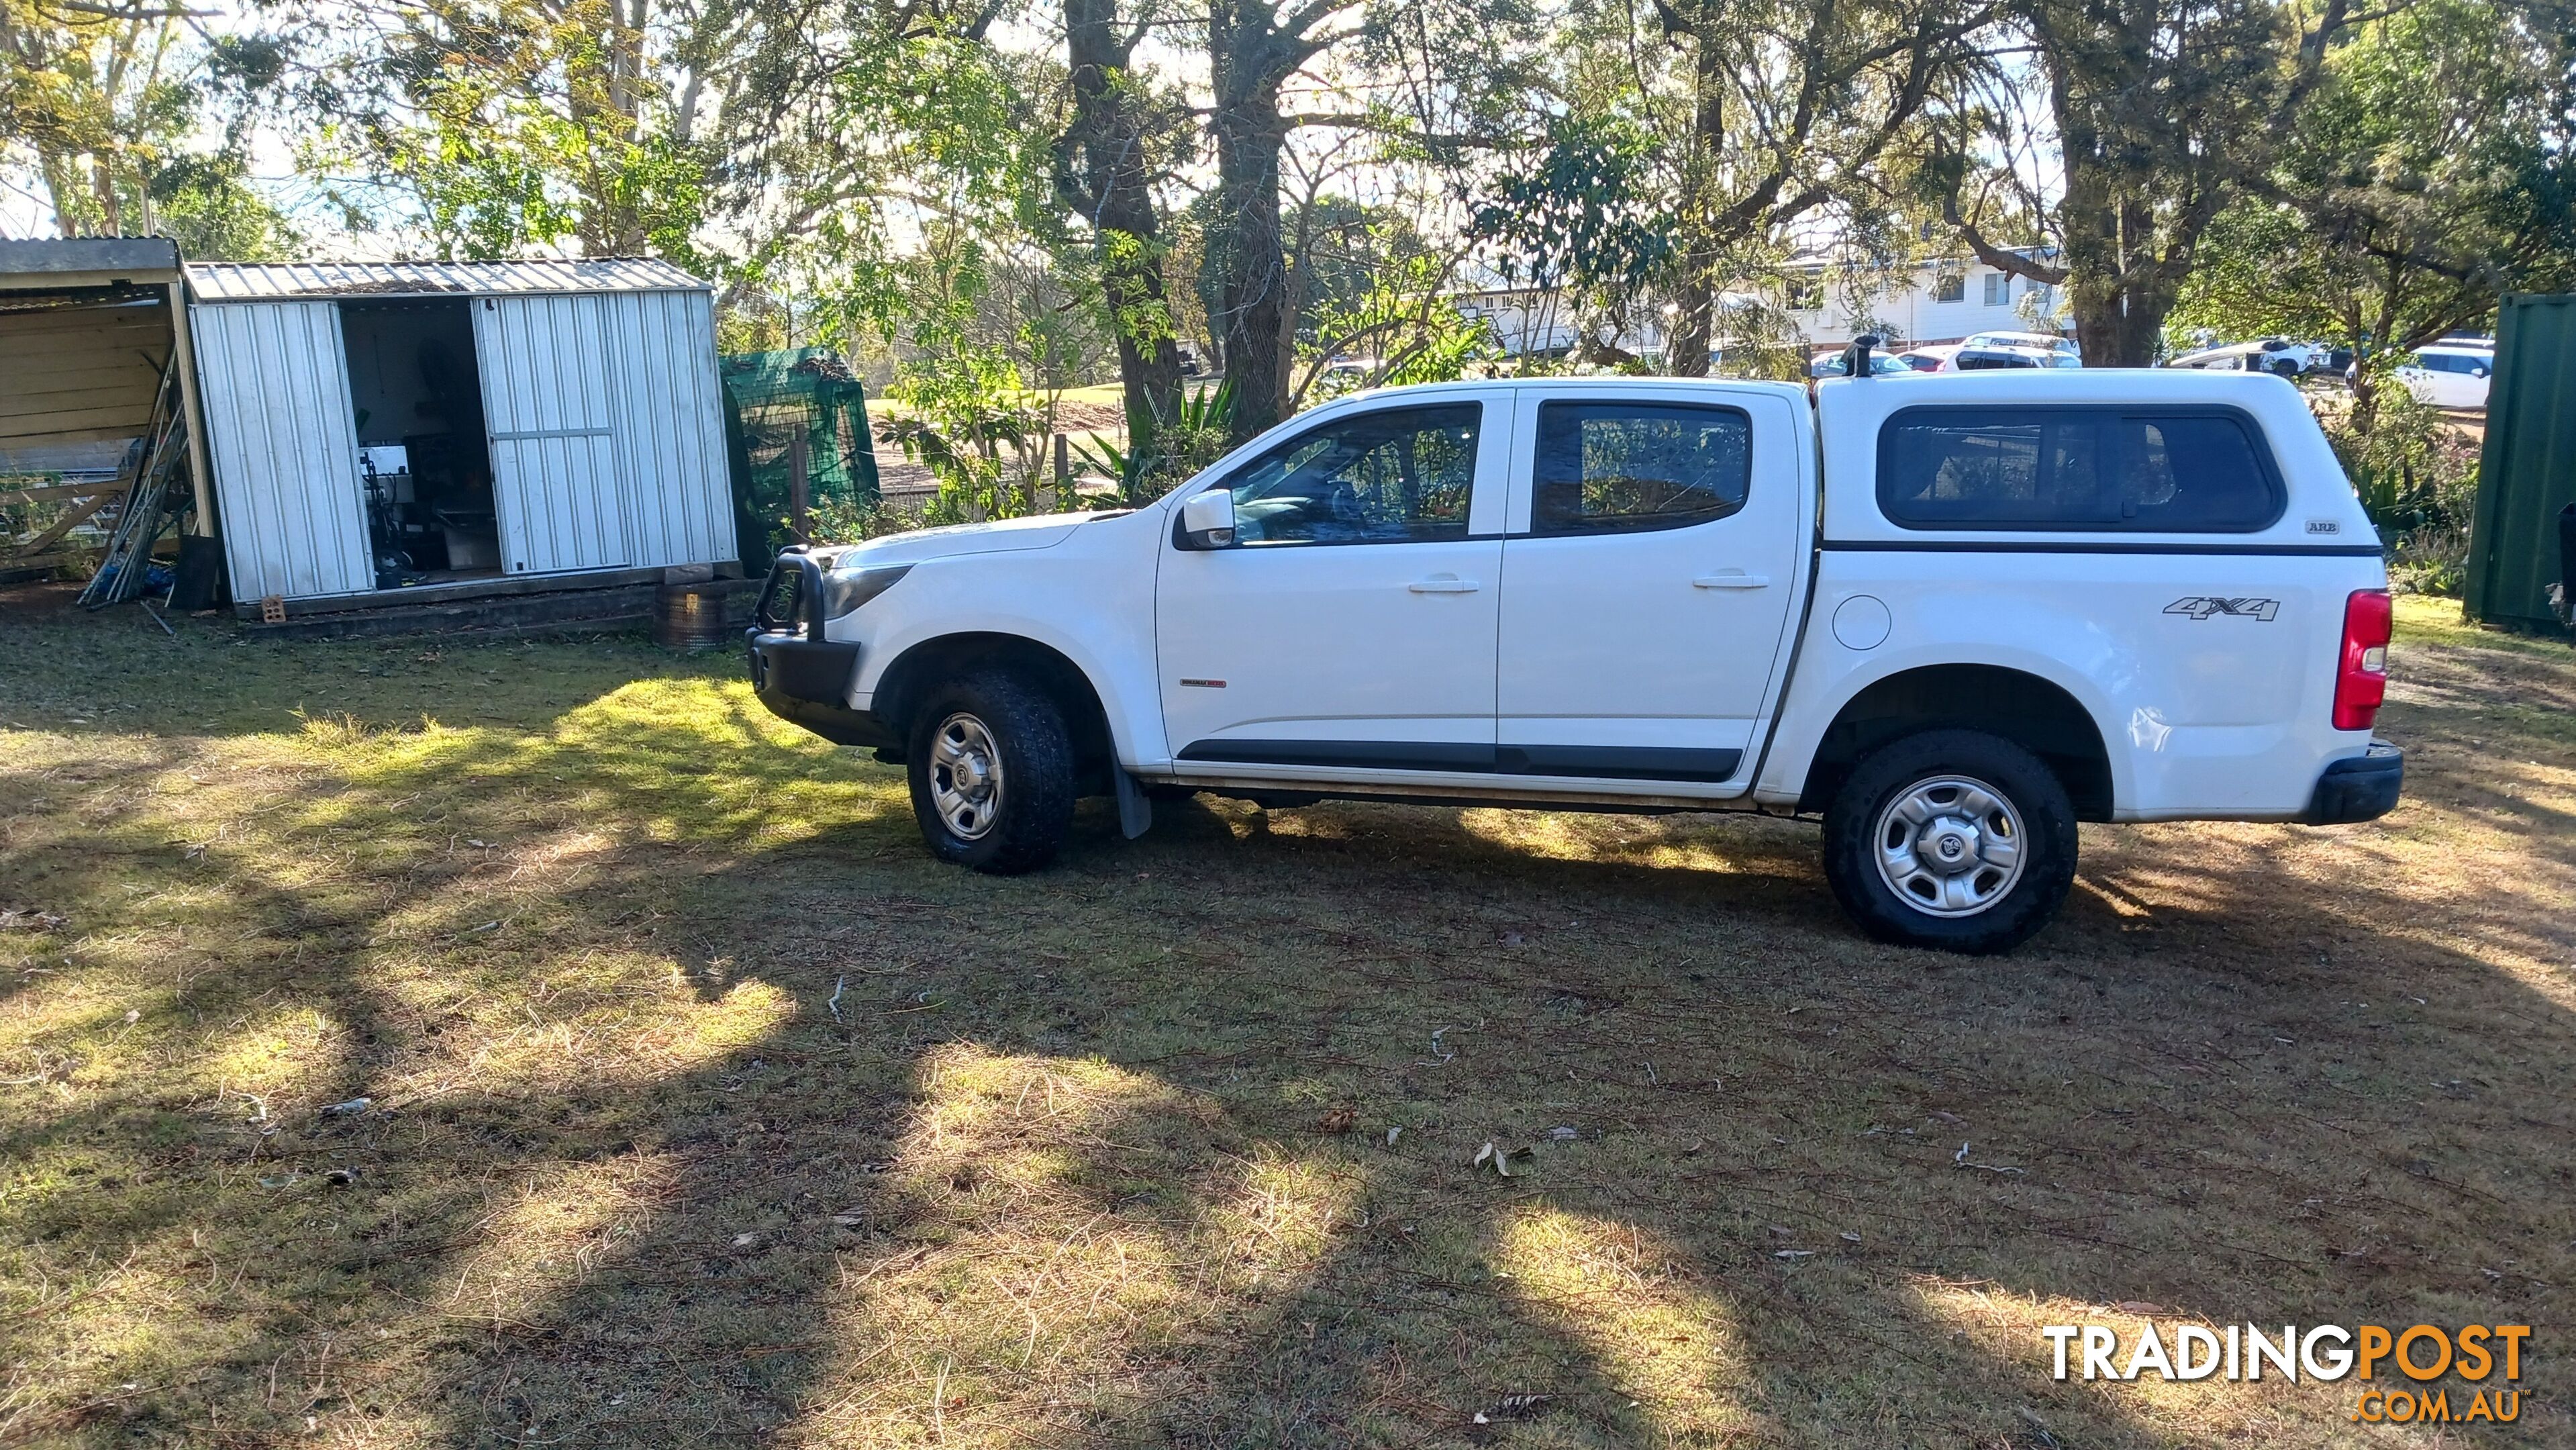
{"x": 1952, "y": 1119}
{"x": 1337, "y": 1119}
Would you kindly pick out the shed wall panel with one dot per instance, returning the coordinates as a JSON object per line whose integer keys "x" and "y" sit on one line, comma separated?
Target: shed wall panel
{"x": 275, "y": 387}
{"x": 549, "y": 381}
{"x": 2528, "y": 471}
{"x": 671, "y": 423}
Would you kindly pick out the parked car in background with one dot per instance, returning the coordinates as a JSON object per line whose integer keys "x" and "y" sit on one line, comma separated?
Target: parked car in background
{"x": 2449, "y": 375}
{"x": 1976, "y": 357}
{"x": 2275, "y": 355}
{"x": 1934, "y": 358}
{"x": 1838, "y": 365}
{"x": 2059, "y": 352}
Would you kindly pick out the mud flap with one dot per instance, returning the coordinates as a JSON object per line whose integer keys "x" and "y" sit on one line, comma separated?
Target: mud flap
{"x": 1135, "y": 812}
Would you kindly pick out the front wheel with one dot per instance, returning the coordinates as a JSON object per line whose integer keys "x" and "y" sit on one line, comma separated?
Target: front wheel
{"x": 992, "y": 774}
{"x": 1951, "y": 839}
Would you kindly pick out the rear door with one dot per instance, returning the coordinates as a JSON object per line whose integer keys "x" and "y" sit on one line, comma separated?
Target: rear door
{"x": 1350, "y": 629}
{"x": 548, "y": 386}
{"x": 1648, "y": 578}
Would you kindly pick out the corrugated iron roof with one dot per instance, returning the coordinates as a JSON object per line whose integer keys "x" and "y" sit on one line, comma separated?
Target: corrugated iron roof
{"x": 57, "y": 263}
{"x": 246, "y": 282}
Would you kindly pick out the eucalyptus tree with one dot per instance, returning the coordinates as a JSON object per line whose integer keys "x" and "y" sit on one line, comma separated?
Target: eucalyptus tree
{"x": 129, "y": 116}
{"x": 2154, "y": 117}
{"x": 1125, "y": 137}
{"x": 1429, "y": 80}
{"x": 1696, "y": 140}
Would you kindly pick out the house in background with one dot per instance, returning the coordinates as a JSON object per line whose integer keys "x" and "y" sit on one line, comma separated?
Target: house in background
{"x": 1937, "y": 301}
{"x": 1940, "y": 301}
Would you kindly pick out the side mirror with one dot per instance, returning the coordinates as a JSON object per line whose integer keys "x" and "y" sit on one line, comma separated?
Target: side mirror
{"x": 1207, "y": 521}
{"x": 2477, "y": 372}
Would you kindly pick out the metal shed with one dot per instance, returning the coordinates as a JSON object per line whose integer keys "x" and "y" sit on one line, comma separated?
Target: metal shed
{"x": 2528, "y": 471}
{"x": 393, "y": 428}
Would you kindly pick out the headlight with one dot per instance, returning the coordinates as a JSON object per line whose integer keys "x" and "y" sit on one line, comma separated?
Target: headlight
{"x": 845, "y": 591}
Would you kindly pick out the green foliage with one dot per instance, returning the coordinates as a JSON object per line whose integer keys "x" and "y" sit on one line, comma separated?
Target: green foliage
{"x": 850, "y": 520}
{"x": 1176, "y": 450}
{"x": 207, "y": 206}
{"x": 1583, "y": 210}
{"x": 2431, "y": 170}
{"x": 1404, "y": 325}
{"x": 2417, "y": 476}
{"x": 131, "y": 121}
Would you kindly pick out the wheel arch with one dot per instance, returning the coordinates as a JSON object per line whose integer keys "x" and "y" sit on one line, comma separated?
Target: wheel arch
{"x": 906, "y": 682}
{"x": 2032, "y": 711}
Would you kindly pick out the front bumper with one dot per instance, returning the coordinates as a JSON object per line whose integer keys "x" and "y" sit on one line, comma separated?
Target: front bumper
{"x": 2360, "y": 787}
{"x": 802, "y": 677}
{"x": 807, "y": 682}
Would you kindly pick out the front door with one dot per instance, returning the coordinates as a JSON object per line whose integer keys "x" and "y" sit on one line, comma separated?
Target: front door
{"x": 1351, "y": 625}
{"x": 1646, "y": 584}
{"x": 548, "y": 399}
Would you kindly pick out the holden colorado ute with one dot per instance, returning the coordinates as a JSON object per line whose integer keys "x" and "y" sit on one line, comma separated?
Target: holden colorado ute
{"x": 1952, "y": 616}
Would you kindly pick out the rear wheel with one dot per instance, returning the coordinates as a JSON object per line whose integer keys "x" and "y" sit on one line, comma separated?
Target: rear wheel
{"x": 992, "y": 773}
{"x": 1951, "y": 839}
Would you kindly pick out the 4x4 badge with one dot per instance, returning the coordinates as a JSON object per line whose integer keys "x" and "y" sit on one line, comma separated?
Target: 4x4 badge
{"x": 2202, "y": 606}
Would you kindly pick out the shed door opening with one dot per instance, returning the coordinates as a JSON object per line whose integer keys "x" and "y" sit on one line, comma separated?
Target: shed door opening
{"x": 425, "y": 469}
{"x": 549, "y": 388}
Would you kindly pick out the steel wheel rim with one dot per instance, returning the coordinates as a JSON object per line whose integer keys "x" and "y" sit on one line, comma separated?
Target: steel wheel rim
{"x": 965, "y": 776}
{"x": 1950, "y": 845}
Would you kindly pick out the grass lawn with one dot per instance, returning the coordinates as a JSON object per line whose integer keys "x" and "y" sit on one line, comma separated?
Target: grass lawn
{"x": 701, "y": 1107}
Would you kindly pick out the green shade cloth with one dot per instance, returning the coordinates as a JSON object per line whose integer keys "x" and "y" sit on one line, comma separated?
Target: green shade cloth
{"x": 769, "y": 398}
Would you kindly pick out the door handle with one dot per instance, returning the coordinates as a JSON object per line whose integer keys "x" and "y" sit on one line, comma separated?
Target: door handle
{"x": 1732, "y": 579}
{"x": 1443, "y": 584}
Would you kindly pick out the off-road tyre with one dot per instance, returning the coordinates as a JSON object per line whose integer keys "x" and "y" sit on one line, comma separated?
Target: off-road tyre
{"x": 1016, "y": 725}
{"x": 1863, "y": 826}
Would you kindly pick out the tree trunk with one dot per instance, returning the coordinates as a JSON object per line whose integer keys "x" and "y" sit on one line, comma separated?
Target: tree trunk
{"x": 1687, "y": 352}
{"x": 1251, "y": 313}
{"x": 1106, "y": 177}
{"x": 2119, "y": 285}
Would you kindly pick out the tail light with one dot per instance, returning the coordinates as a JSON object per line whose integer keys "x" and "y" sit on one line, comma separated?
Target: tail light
{"x": 2361, "y": 674}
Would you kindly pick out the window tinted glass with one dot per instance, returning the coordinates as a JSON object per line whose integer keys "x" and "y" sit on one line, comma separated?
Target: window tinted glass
{"x": 1607, "y": 467}
{"x": 1379, "y": 478}
{"x": 2075, "y": 469}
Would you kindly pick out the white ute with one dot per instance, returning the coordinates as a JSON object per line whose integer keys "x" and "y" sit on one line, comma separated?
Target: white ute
{"x": 1953, "y": 616}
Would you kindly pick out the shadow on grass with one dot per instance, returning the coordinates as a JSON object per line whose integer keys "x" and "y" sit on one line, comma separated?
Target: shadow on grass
{"x": 741, "y": 1122}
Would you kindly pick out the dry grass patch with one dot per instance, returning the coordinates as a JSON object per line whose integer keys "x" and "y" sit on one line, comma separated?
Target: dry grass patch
{"x": 700, "y": 1107}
